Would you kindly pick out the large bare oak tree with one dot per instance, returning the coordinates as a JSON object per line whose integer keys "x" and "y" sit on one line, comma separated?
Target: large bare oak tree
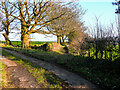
{"x": 34, "y": 16}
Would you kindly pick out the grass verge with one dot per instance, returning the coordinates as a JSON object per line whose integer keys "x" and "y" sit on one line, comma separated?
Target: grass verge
{"x": 43, "y": 77}
{"x": 3, "y": 76}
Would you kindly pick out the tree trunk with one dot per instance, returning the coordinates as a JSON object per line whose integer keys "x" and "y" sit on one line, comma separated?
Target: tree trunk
{"x": 59, "y": 40}
{"x": 89, "y": 53}
{"x": 110, "y": 55}
{"x": 63, "y": 40}
{"x": 25, "y": 41}
{"x": 7, "y": 39}
{"x": 96, "y": 53}
{"x": 101, "y": 54}
{"x": 105, "y": 54}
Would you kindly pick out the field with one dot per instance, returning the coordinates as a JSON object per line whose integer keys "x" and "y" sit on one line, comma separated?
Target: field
{"x": 32, "y": 43}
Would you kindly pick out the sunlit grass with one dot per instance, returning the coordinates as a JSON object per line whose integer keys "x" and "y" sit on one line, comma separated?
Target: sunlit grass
{"x": 32, "y": 43}
{"x": 3, "y": 77}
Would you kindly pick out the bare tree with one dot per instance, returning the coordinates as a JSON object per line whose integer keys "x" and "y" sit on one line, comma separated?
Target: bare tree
{"x": 34, "y": 16}
{"x": 7, "y": 20}
{"x": 104, "y": 40}
{"x": 66, "y": 24}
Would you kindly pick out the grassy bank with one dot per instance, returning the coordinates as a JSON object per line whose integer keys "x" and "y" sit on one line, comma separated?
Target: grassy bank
{"x": 43, "y": 77}
{"x": 104, "y": 73}
{"x": 3, "y": 77}
{"x": 0, "y": 74}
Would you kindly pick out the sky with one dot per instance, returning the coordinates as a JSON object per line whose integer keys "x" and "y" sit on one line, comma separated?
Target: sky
{"x": 96, "y": 0}
{"x": 104, "y": 10}
{"x": 99, "y": 8}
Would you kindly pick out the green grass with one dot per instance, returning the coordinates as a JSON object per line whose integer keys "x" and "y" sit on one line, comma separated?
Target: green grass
{"x": 32, "y": 43}
{"x": 3, "y": 76}
{"x": 43, "y": 77}
{"x": 104, "y": 73}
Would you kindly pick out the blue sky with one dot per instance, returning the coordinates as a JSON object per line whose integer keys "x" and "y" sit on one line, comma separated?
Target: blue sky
{"x": 100, "y": 8}
{"x": 104, "y": 10}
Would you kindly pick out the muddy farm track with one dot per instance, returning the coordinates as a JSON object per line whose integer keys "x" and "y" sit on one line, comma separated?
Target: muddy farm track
{"x": 22, "y": 81}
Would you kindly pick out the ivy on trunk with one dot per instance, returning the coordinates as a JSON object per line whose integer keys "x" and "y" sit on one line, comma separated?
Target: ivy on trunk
{"x": 59, "y": 40}
{"x": 25, "y": 41}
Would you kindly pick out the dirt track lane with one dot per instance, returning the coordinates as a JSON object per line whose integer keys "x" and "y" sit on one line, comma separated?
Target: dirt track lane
{"x": 74, "y": 80}
{"x": 20, "y": 77}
